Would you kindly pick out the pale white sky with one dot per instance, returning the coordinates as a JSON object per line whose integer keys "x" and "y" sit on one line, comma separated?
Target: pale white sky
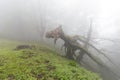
{"x": 105, "y": 12}
{"x": 109, "y": 11}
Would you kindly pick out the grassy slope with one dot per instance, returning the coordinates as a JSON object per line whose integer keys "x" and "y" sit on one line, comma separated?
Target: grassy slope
{"x": 41, "y": 63}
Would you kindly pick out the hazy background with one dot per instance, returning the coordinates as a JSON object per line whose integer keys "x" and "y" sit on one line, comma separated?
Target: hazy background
{"x": 24, "y": 19}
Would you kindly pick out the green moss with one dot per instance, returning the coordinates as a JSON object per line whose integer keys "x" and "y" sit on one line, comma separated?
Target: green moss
{"x": 40, "y": 63}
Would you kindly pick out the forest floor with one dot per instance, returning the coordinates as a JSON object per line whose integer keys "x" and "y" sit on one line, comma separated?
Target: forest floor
{"x": 30, "y": 61}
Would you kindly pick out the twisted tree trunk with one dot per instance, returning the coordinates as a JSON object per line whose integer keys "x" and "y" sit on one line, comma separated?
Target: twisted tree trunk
{"x": 72, "y": 45}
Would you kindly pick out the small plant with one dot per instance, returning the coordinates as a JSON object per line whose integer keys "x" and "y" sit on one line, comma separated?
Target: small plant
{"x": 72, "y": 63}
{"x": 2, "y": 60}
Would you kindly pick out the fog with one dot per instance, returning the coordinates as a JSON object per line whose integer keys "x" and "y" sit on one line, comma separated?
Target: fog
{"x": 24, "y": 19}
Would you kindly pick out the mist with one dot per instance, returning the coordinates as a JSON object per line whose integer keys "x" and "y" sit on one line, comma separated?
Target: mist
{"x": 25, "y": 19}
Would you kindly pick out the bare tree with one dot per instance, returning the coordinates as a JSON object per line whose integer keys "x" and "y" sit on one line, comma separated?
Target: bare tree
{"x": 72, "y": 45}
{"x": 89, "y": 34}
{"x": 40, "y": 19}
{"x": 40, "y": 27}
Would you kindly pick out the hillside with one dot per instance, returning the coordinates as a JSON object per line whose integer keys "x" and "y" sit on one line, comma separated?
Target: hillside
{"x": 29, "y": 61}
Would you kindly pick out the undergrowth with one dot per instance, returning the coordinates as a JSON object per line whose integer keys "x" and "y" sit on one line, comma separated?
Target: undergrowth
{"x": 40, "y": 63}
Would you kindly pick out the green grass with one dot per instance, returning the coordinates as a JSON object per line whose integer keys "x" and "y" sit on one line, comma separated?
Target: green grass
{"x": 40, "y": 63}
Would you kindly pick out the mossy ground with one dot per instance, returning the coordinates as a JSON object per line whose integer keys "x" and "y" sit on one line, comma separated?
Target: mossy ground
{"x": 40, "y": 63}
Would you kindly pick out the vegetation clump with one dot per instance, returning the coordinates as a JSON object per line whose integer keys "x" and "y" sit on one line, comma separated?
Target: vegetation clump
{"x": 20, "y": 47}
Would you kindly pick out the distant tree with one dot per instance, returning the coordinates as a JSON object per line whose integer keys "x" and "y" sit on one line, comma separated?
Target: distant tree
{"x": 40, "y": 27}
{"x": 89, "y": 34}
{"x": 39, "y": 18}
